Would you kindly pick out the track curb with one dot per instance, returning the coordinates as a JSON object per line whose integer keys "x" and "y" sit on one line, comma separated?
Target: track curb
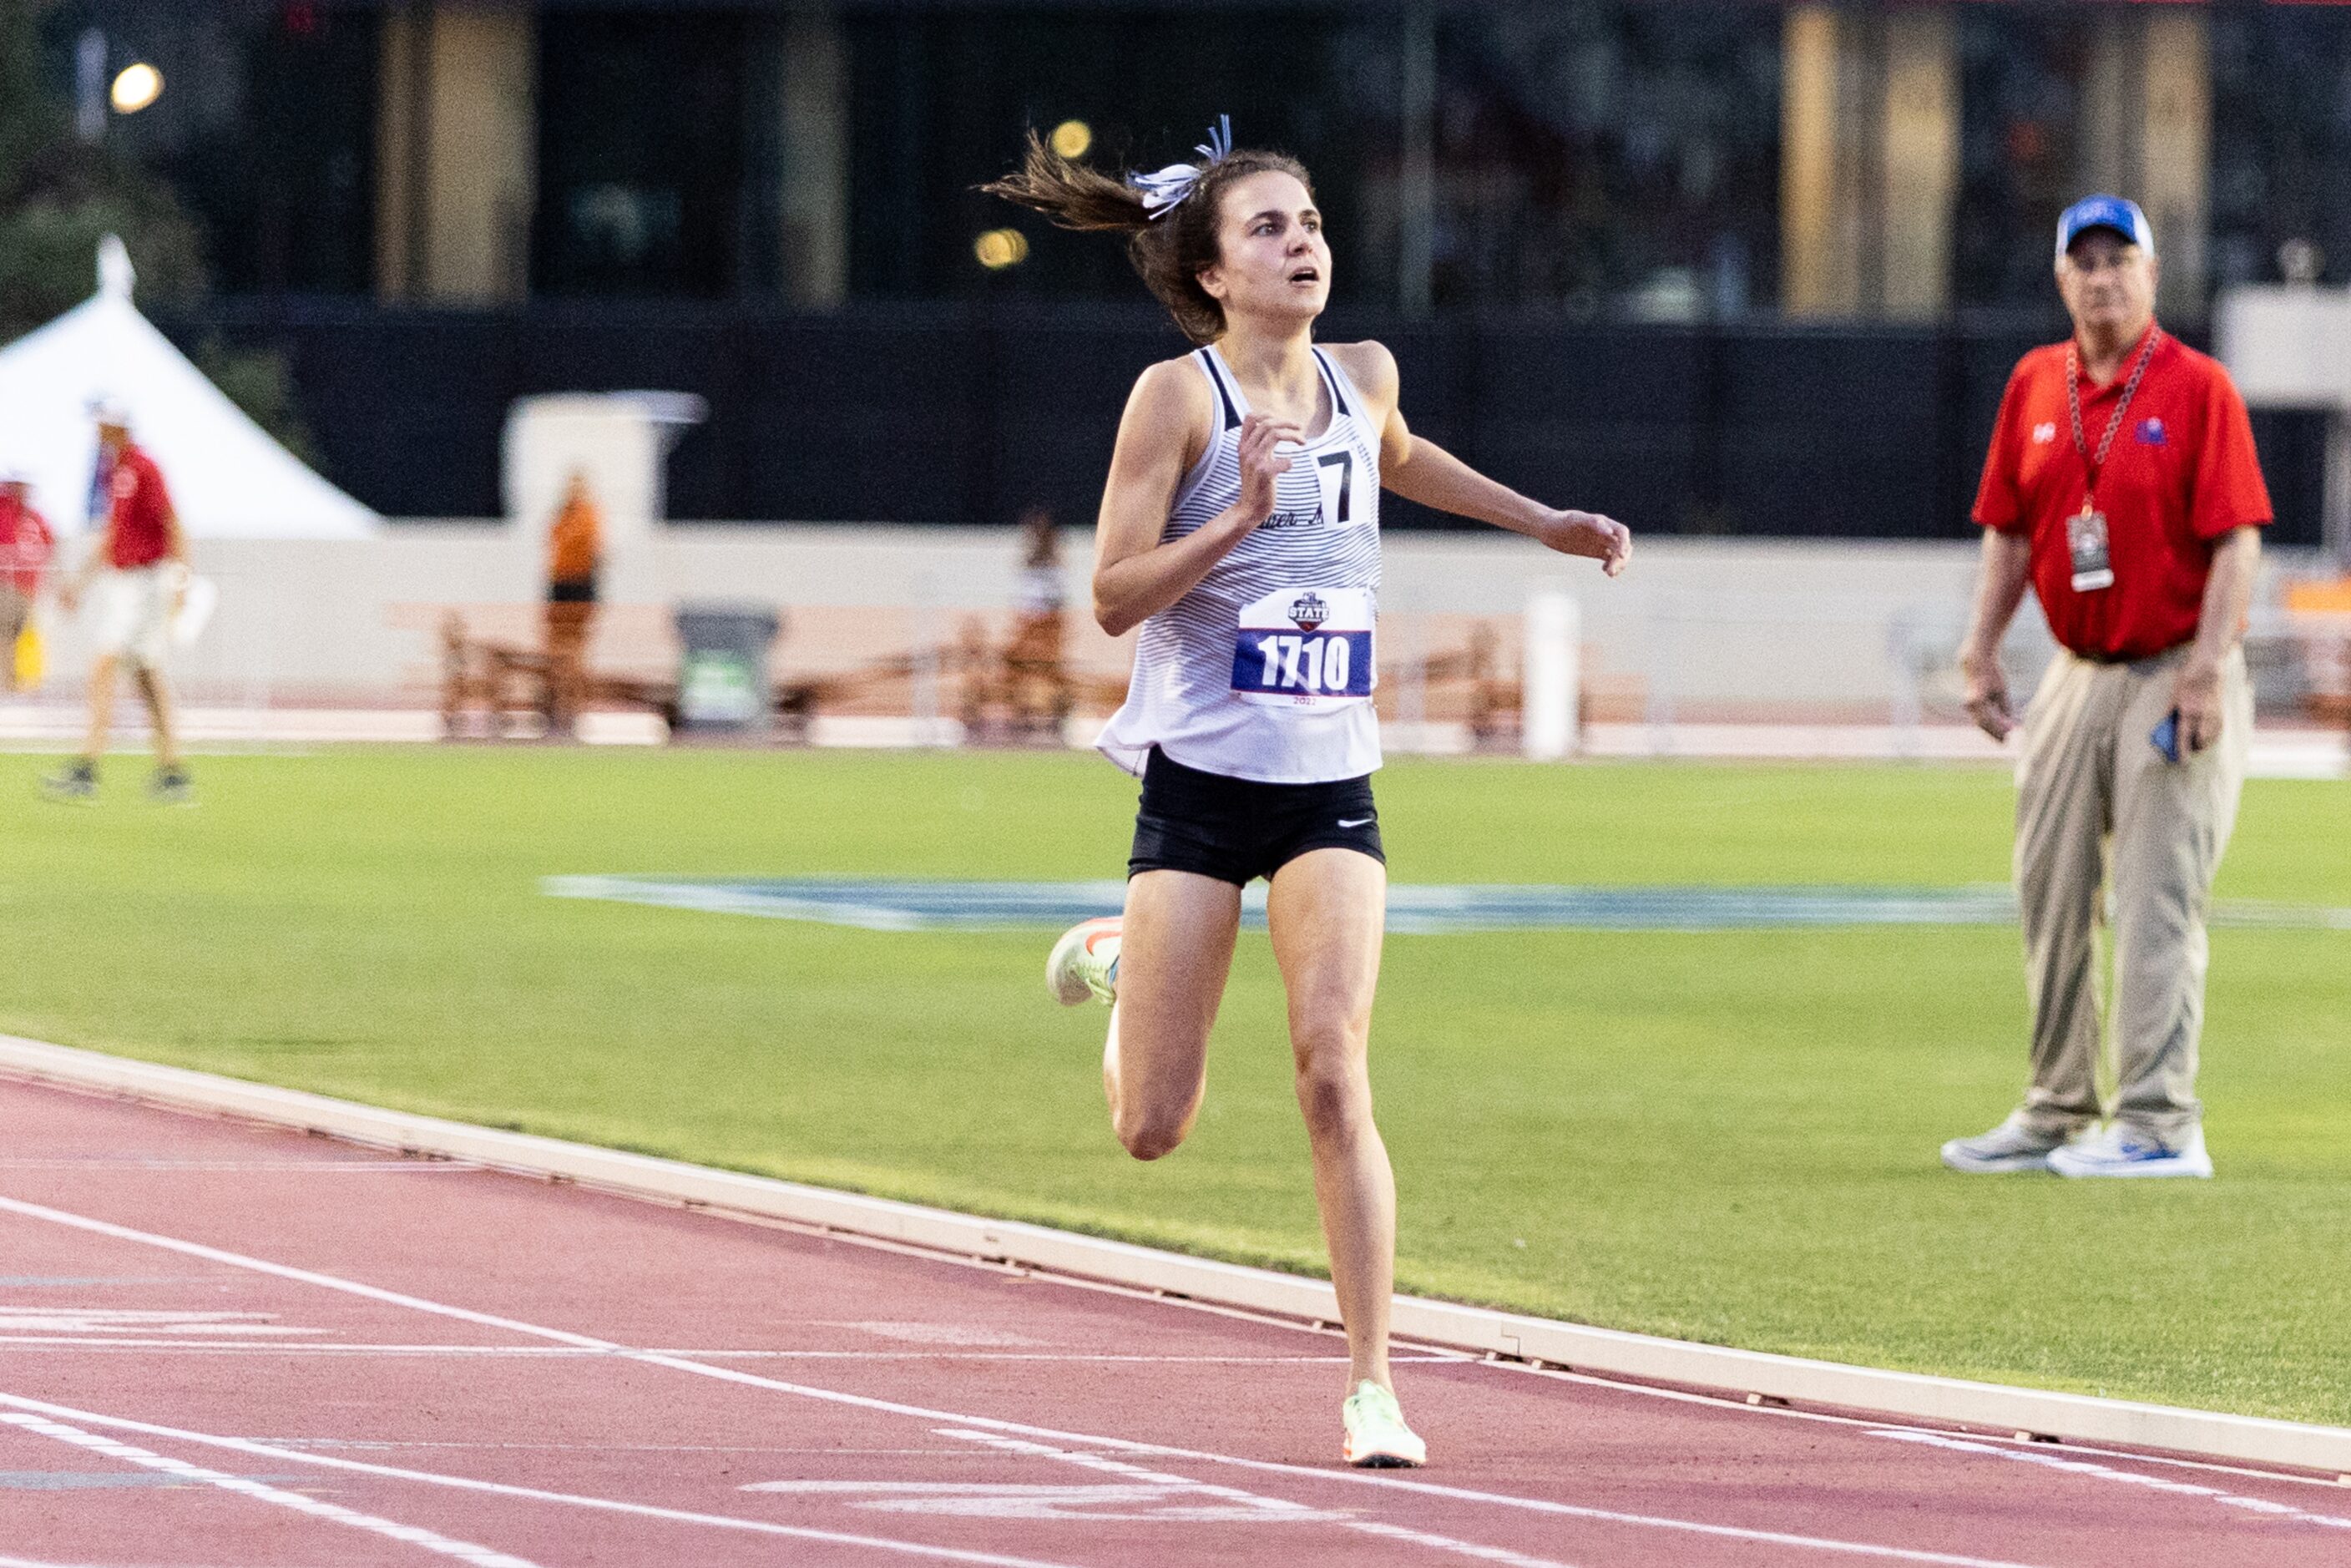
{"x": 2038, "y": 1413}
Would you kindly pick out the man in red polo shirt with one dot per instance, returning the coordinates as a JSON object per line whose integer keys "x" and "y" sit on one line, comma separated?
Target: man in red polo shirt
{"x": 2122, "y": 486}
{"x": 25, "y": 542}
{"x": 141, "y": 567}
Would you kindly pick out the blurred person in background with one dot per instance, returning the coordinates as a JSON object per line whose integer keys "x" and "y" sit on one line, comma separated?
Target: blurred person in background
{"x": 1039, "y": 688}
{"x": 2122, "y": 487}
{"x": 575, "y": 550}
{"x": 141, "y": 572}
{"x": 24, "y": 544}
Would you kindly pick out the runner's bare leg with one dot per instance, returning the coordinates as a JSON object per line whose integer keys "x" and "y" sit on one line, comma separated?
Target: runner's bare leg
{"x": 1327, "y": 910}
{"x": 1175, "y": 949}
{"x": 152, "y": 686}
{"x": 102, "y": 705}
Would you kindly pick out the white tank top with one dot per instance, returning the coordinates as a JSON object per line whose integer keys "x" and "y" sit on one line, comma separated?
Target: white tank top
{"x": 1264, "y": 670}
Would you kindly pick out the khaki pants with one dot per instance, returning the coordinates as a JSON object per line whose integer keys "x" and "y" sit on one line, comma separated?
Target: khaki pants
{"x": 2096, "y": 804}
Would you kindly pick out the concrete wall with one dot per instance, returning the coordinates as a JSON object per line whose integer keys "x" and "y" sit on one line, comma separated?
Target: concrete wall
{"x": 1696, "y": 627}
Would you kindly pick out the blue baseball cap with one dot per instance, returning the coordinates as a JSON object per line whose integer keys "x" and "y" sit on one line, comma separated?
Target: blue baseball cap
{"x": 2104, "y": 213}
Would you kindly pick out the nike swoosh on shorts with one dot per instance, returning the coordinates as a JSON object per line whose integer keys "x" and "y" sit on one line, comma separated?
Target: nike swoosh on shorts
{"x": 1353, "y": 822}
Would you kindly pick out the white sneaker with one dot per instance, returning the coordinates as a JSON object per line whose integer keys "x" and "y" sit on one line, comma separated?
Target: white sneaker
{"x": 1084, "y": 963}
{"x": 2120, "y": 1151}
{"x": 1377, "y": 1439}
{"x": 2016, "y": 1144}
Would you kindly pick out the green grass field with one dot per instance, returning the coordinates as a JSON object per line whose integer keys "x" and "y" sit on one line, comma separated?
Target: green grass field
{"x": 1724, "y": 1136}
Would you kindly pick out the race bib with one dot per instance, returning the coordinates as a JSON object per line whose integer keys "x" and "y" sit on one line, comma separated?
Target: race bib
{"x": 1305, "y": 647}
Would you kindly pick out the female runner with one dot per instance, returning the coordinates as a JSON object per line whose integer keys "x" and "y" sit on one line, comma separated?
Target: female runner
{"x": 1240, "y": 528}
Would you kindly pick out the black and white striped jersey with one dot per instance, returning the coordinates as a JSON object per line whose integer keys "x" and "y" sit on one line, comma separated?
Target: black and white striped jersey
{"x": 1265, "y": 669}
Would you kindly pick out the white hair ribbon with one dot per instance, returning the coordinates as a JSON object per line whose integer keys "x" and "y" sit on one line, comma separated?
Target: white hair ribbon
{"x": 1163, "y": 191}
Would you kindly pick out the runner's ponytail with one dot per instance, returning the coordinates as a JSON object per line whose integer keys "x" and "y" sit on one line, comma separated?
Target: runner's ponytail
{"x": 1170, "y": 218}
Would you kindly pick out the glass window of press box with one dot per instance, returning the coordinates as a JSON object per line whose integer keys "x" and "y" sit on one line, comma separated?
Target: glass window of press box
{"x": 265, "y": 127}
{"x": 1581, "y": 157}
{"x": 1619, "y": 158}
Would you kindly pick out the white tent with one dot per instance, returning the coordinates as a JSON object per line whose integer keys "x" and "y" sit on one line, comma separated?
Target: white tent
{"x": 229, "y": 479}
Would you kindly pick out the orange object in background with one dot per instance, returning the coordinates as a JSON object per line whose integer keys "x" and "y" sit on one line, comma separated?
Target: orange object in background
{"x": 2320, "y": 596}
{"x": 577, "y": 541}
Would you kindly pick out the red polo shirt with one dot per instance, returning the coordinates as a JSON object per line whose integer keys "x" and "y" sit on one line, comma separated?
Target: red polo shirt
{"x": 141, "y": 511}
{"x": 24, "y": 545}
{"x": 2181, "y": 473}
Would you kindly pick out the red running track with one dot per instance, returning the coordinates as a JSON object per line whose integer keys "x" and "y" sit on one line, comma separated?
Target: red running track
{"x": 226, "y": 1346}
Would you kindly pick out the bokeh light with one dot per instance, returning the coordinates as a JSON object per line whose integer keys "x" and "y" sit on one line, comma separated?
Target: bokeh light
{"x": 136, "y": 87}
{"x": 1071, "y": 138}
{"x": 1000, "y": 248}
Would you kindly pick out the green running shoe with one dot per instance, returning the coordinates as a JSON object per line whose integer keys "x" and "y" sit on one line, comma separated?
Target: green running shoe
{"x": 1378, "y": 1437}
{"x": 1084, "y": 963}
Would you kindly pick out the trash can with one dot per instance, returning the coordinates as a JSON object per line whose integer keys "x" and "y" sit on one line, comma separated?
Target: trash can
{"x": 722, "y": 673}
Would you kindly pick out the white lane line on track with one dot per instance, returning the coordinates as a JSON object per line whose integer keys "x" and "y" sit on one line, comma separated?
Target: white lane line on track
{"x": 41, "y": 1407}
{"x": 1270, "y": 1508}
{"x": 1736, "y": 1405}
{"x": 1729, "y": 1403}
{"x": 44, "y": 1563}
{"x": 2071, "y": 1466}
{"x": 303, "y": 1167}
{"x": 544, "y": 1351}
{"x": 316, "y": 1508}
{"x": 921, "y": 1413}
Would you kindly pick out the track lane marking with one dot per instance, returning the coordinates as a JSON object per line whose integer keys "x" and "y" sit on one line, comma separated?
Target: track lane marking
{"x": 1736, "y": 1404}
{"x": 923, "y": 1413}
{"x": 261, "y": 1491}
{"x": 1729, "y": 1403}
{"x": 2071, "y": 1466}
{"x": 45, "y": 1562}
{"x": 56, "y": 1413}
{"x": 1280, "y": 1508}
{"x": 257, "y": 1166}
{"x": 79, "y": 1342}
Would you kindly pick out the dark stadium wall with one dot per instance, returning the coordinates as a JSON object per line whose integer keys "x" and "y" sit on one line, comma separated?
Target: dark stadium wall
{"x": 958, "y": 413}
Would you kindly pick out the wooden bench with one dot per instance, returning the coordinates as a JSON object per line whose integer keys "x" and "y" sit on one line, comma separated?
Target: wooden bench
{"x": 2320, "y": 614}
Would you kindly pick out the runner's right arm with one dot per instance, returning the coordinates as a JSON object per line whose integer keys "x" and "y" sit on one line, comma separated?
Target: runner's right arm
{"x": 1166, "y": 425}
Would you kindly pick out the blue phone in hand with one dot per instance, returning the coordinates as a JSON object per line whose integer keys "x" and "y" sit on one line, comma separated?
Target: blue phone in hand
{"x": 2165, "y": 736}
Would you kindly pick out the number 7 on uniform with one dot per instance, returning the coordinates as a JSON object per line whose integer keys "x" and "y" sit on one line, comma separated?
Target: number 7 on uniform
{"x": 1342, "y": 509}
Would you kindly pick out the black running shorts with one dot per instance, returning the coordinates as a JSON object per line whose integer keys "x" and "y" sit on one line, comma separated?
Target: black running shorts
{"x": 1237, "y": 829}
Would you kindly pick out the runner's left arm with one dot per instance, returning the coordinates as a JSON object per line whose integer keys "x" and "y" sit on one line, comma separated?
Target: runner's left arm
{"x": 1419, "y": 470}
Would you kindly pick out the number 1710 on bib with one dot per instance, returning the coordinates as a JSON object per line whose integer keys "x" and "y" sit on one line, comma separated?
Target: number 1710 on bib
{"x": 1305, "y": 648}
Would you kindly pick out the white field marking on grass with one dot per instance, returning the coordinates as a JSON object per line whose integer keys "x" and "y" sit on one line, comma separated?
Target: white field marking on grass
{"x": 40, "y": 1407}
{"x": 925, "y": 1413}
{"x": 316, "y": 1508}
{"x": 1271, "y": 1507}
{"x": 2283, "y": 1512}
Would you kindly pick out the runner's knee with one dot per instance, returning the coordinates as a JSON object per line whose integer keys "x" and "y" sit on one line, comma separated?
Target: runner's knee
{"x": 1149, "y": 1133}
{"x": 1334, "y": 1096}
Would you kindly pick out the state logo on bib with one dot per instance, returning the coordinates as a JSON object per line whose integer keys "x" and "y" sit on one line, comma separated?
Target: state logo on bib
{"x": 1305, "y": 647}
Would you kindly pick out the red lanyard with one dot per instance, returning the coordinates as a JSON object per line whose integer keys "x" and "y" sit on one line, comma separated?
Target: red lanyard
{"x": 2095, "y": 466}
